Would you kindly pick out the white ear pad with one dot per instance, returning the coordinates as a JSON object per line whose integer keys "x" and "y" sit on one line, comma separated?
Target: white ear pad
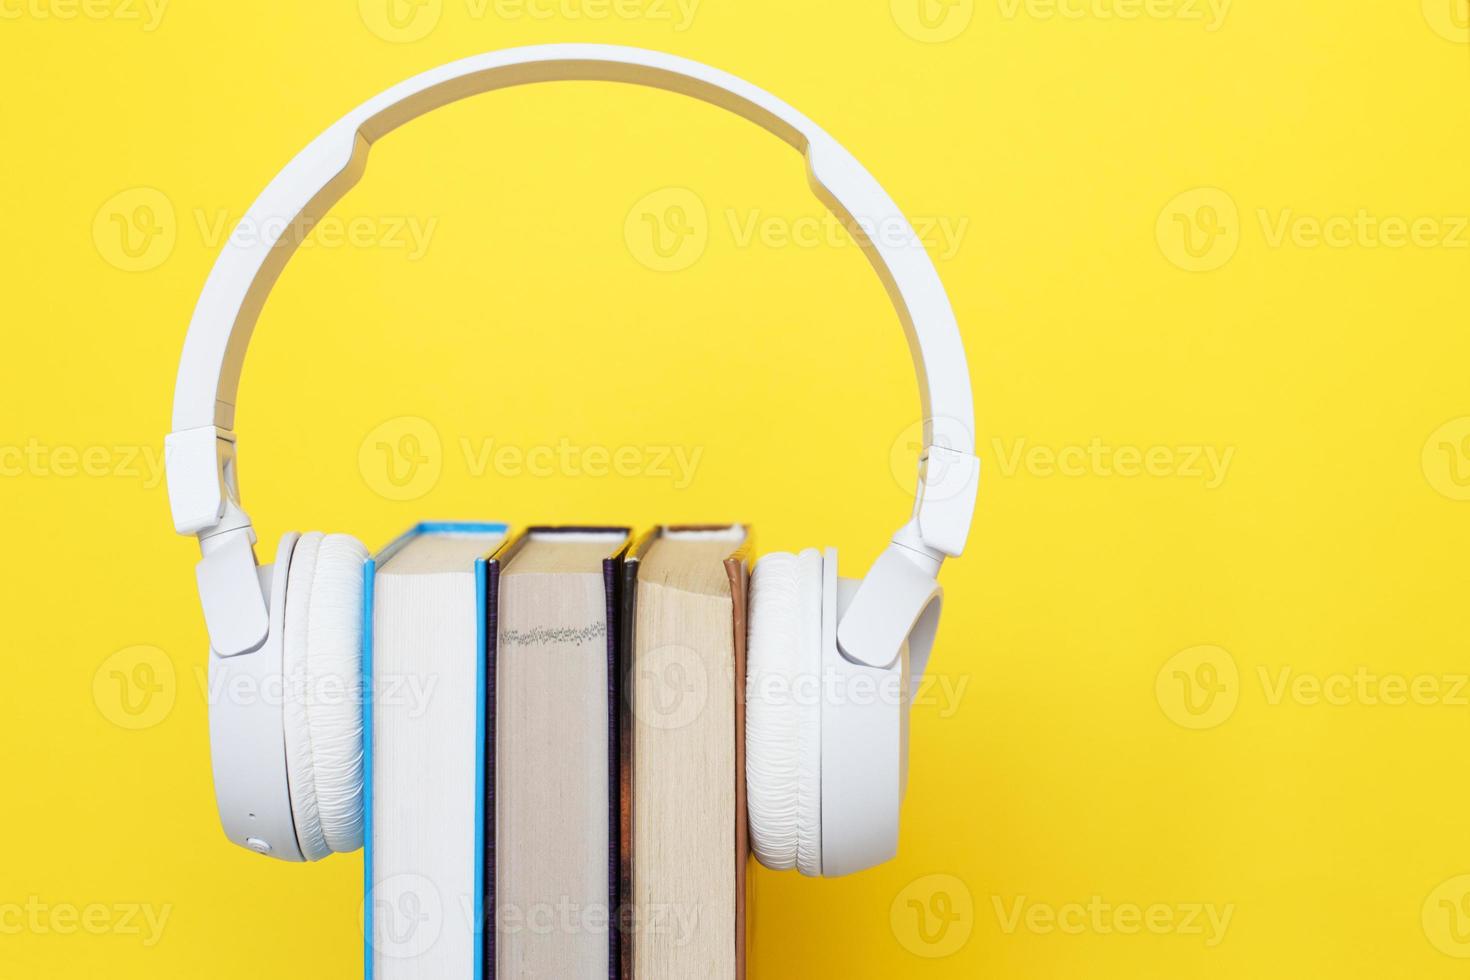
{"x": 783, "y": 712}
{"x": 322, "y": 709}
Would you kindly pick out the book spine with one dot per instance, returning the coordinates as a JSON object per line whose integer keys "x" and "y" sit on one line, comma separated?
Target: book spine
{"x": 483, "y": 757}
{"x": 612, "y": 583}
{"x": 738, "y": 570}
{"x": 624, "y": 699}
{"x": 491, "y": 607}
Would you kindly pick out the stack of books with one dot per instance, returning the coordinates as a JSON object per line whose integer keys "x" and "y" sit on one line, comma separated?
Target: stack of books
{"x": 555, "y": 746}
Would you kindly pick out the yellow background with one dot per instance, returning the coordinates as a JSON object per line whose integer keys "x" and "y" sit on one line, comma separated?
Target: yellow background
{"x": 1080, "y": 748}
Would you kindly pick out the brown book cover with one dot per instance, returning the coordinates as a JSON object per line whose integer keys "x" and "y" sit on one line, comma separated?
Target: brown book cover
{"x": 737, "y": 568}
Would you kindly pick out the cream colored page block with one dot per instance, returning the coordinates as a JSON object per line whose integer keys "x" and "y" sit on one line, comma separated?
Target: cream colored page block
{"x": 683, "y": 779}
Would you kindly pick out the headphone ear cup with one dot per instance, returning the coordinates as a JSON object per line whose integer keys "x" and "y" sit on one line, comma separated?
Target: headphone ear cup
{"x": 322, "y": 709}
{"x": 783, "y": 712}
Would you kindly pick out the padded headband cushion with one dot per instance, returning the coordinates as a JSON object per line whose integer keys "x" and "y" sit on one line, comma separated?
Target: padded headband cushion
{"x": 323, "y": 692}
{"x": 783, "y": 733}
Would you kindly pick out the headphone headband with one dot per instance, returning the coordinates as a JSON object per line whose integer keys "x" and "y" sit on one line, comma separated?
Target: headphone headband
{"x": 200, "y": 460}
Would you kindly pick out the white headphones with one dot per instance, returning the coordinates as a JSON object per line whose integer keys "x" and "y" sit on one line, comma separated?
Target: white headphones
{"x": 829, "y": 660}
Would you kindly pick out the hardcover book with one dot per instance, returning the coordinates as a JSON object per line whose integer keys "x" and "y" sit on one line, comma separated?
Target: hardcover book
{"x": 424, "y": 718}
{"x": 552, "y": 808}
{"x": 682, "y": 754}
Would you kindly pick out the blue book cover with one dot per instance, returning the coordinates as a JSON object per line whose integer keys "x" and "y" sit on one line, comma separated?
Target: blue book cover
{"x": 494, "y": 534}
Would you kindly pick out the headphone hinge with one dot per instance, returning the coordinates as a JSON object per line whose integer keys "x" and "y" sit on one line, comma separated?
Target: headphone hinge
{"x": 231, "y": 592}
{"x": 203, "y": 491}
{"x": 948, "y": 483}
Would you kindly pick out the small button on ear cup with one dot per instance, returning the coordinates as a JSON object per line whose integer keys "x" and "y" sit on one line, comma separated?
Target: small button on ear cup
{"x": 322, "y": 709}
{"x": 783, "y": 718}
